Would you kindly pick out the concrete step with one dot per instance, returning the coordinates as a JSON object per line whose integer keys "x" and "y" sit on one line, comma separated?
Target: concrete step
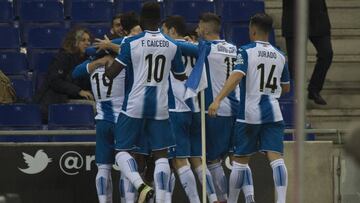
{"x": 337, "y": 100}
{"x": 343, "y": 14}
{"x": 339, "y": 71}
{"x": 334, "y": 118}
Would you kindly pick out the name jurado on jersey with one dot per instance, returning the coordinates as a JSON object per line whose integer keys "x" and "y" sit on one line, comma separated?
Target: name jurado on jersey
{"x": 267, "y": 54}
{"x": 154, "y": 43}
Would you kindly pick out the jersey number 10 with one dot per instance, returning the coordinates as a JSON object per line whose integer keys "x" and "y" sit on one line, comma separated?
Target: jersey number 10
{"x": 271, "y": 80}
{"x": 159, "y": 63}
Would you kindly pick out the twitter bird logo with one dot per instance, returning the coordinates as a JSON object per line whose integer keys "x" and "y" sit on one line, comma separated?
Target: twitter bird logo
{"x": 37, "y": 163}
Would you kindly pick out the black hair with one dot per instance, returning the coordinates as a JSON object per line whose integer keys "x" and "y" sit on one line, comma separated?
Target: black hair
{"x": 117, "y": 16}
{"x": 150, "y": 16}
{"x": 262, "y": 21}
{"x": 176, "y": 22}
{"x": 213, "y": 19}
{"x": 129, "y": 20}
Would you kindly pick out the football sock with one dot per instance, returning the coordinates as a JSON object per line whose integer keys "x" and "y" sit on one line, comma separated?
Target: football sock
{"x": 103, "y": 183}
{"x": 188, "y": 182}
{"x": 241, "y": 178}
{"x": 220, "y": 181}
{"x": 128, "y": 191}
{"x": 128, "y": 167}
{"x": 168, "y": 195}
{"x": 162, "y": 174}
{"x": 210, "y": 189}
{"x": 280, "y": 176}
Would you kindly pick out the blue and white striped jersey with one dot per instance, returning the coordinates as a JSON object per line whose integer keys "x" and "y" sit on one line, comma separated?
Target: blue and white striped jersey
{"x": 148, "y": 59}
{"x": 177, "y": 89}
{"x": 265, "y": 69}
{"x": 219, "y": 65}
{"x": 108, "y": 94}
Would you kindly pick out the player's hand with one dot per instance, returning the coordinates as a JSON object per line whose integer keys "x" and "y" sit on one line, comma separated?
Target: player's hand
{"x": 213, "y": 108}
{"x": 188, "y": 39}
{"x": 102, "y": 44}
{"x": 105, "y": 61}
{"x": 86, "y": 94}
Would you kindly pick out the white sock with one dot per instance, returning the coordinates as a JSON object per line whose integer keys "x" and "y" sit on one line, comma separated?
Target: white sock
{"x": 280, "y": 179}
{"x": 103, "y": 183}
{"x": 220, "y": 181}
{"x": 162, "y": 174}
{"x": 168, "y": 195}
{"x": 127, "y": 190}
{"x": 128, "y": 167}
{"x": 210, "y": 189}
{"x": 188, "y": 182}
{"x": 241, "y": 177}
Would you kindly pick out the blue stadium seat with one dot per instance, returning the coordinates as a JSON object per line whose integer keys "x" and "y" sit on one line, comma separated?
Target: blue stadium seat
{"x": 41, "y": 11}
{"x": 98, "y": 30}
{"x": 23, "y": 87}
{"x": 20, "y": 116}
{"x": 238, "y": 34}
{"x": 45, "y": 36}
{"x": 12, "y": 39}
{"x": 40, "y": 59}
{"x": 239, "y": 11}
{"x": 13, "y": 63}
{"x": 91, "y": 11}
{"x": 6, "y": 11}
{"x": 74, "y": 116}
{"x": 287, "y": 109}
{"x": 190, "y": 10}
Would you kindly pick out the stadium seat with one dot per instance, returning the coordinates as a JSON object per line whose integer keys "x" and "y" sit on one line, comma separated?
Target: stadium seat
{"x": 287, "y": 109}
{"x": 41, "y": 11}
{"x": 13, "y": 62}
{"x": 98, "y": 30}
{"x": 91, "y": 11}
{"x": 74, "y": 116}
{"x": 6, "y": 11}
{"x": 23, "y": 87}
{"x": 40, "y": 59}
{"x": 238, "y": 34}
{"x": 122, "y": 6}
{"x": 12, "y": 39}
{"x": 190, "y": 10}
{"x": 45, "y": 36}
{"x": 20, "y": 116}
{"x": 239, "y": 11}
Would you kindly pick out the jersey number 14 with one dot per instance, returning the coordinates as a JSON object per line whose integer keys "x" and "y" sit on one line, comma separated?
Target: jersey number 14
{"x": 271, "y": 82}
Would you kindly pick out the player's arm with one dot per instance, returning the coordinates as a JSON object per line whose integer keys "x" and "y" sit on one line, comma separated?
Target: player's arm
{"x": 188, "y": 48}
{"x": 106, "y": 44}
{"x": 229, "y": 86}
{"x": 87, "y": 67}
{"x": 114, "y": 70}
{"x": 285, "y": 80}
{"x": 177, "y": 66}
{"x": 115, "y": 46}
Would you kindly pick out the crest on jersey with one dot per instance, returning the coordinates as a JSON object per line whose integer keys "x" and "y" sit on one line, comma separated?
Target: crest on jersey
{"x": 239, "y": 58}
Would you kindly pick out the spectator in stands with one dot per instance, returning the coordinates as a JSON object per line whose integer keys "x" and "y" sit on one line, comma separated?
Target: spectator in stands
{"x": 116, "y": 30}
{"x": 59, "y": 87}
{"x": 319, "y": 35}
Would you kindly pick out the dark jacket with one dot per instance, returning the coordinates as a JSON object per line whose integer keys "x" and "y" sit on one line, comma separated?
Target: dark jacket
{"x": 319, "y": 23}
{"x": 58, "y": 85}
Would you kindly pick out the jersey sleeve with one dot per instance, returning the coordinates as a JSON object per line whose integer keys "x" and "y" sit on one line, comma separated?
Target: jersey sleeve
{"x": 188, "y": 49}
{"x": 285, "y": 76}
{"x": 177, "y": 65}
{"x": 81, "y": 70}
{"x": 241, "y": 63}
{"x": 125, "y": 56}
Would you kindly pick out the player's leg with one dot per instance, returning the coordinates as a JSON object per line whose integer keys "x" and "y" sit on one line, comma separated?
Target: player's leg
{"x": 127, "y": 130}
{"x": 161, "y": 139}
{"x": 104, "y": 155}
{"x": 127, "y": 190}
{"x": 168, "y": 195}
{"x": 245, "y": 144}
{"x": 219, "y": 132}
{"x": 272, "y": 142}
{"x": 180, "y": 125}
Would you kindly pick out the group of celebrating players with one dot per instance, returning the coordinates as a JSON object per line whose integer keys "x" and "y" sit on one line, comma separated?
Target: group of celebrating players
{"x": 139, "y": 85}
